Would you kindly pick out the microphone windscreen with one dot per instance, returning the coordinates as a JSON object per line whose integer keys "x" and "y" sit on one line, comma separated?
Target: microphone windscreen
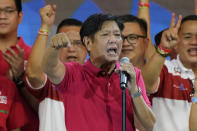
{"x": 124, "y": 59}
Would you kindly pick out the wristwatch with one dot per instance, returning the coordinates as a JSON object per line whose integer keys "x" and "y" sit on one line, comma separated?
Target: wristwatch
{"x": 139, "y": 93}
{"x": 19, "y": 81}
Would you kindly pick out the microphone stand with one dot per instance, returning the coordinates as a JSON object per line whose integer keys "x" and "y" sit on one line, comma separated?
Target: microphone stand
{"x": 123, "y": 87}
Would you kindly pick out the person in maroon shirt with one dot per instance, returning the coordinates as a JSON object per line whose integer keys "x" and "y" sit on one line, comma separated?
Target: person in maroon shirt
{"x": 94, "y": 86}
{"x": 15, "y": 114}
{"x": 76, "y": 52}
{"x": 10, "y": 102}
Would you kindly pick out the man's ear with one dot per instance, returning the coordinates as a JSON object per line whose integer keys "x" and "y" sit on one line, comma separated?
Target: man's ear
{"x": 20, "y": 15}
{"x": 87, "y": 42}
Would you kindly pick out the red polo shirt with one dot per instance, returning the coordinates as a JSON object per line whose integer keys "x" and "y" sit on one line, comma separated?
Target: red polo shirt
{"x": 12, "y": 114}
{"x": 92, "y": 99}
{"x": 9, "y": 91}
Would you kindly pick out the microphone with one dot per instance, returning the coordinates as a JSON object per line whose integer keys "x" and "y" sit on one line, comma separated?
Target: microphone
{"x": 123, "y": 74}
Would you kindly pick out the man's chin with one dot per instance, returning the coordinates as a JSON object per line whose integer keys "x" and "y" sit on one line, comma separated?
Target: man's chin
{"x": 193, "y": 61}
{"x": 112, "y": 59}
{"x": 3, "y": 33}
{"x": 70, "y": 60}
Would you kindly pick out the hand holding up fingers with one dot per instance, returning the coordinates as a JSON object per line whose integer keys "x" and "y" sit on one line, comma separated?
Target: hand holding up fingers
{"x": 169, "y": 37}
{"x": 59, "y": 40}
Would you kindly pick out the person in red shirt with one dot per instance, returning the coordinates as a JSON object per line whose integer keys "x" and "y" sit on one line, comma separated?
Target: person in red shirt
{"x": 15, "y": 114}
{"x": 91, "y": 92}
{"x": 76, "y": 52}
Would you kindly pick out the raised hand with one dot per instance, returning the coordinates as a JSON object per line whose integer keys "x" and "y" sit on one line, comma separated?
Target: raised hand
{"x": 16, "y": 61}
{"x": 47, "y": 15}
{"x": 169, "y": 37}
{"x": 59, "y": 40}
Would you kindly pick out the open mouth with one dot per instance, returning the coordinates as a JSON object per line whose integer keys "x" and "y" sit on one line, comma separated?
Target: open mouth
{"x": 192, "y": 51}
{"x": 112, "y": 50}
{"x": 72, "y": 58}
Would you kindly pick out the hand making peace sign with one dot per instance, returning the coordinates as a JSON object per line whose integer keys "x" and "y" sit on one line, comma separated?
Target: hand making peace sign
{"x": 169, "y": 37}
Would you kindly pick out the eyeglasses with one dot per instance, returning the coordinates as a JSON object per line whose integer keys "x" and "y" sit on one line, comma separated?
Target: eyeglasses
{"x": 7, "y": 11}
{"x": 132, "y": 38}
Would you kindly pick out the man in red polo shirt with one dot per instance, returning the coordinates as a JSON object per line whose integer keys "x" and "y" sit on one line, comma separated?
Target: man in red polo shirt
{"x": 91, "y": 92}
{"x": 14, "y": 112}
{"x": 76, "y": 52}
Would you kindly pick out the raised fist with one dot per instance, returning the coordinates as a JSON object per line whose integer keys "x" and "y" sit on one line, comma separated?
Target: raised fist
{"x": 59, "y": 40}
{"x": 47, "y": 14}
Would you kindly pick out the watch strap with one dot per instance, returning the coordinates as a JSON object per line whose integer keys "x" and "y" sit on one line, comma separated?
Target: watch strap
{"x": 139, "y": 93}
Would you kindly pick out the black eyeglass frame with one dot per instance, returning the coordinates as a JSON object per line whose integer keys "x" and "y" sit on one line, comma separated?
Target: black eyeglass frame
{"x": 132, "y": 35}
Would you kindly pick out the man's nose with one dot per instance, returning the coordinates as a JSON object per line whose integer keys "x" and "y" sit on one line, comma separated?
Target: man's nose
{"x": 3, "y": 14}
{"x": 72, "y": 48}
{"x": 113, "y": 38}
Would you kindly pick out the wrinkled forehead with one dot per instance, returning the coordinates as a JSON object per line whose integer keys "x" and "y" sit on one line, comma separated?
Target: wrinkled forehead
{"x": 73, "y": 35}
{"x": 109, "y": 26}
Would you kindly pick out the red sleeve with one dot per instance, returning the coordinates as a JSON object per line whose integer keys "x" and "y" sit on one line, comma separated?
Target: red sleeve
{"x": 163, "y": 74}
{"x": 41, "y": 93}
{"x": 72, "y": 68}
{"x": 17, "y": 116}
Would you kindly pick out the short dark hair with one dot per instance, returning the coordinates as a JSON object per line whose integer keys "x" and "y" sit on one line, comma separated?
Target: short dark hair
{"x": 68, "y": 22}
{"x": 188, "y": 18}
{"x": 131, "y": 18}
{"x": 94, "y": 23}
{"x": 18, "y": 4}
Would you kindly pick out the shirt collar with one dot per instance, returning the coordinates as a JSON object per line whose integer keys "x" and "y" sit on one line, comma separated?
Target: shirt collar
{"x": 93, "y": 69}
{"x": 185, "y": 70}
{"x": 19, "y": 43}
